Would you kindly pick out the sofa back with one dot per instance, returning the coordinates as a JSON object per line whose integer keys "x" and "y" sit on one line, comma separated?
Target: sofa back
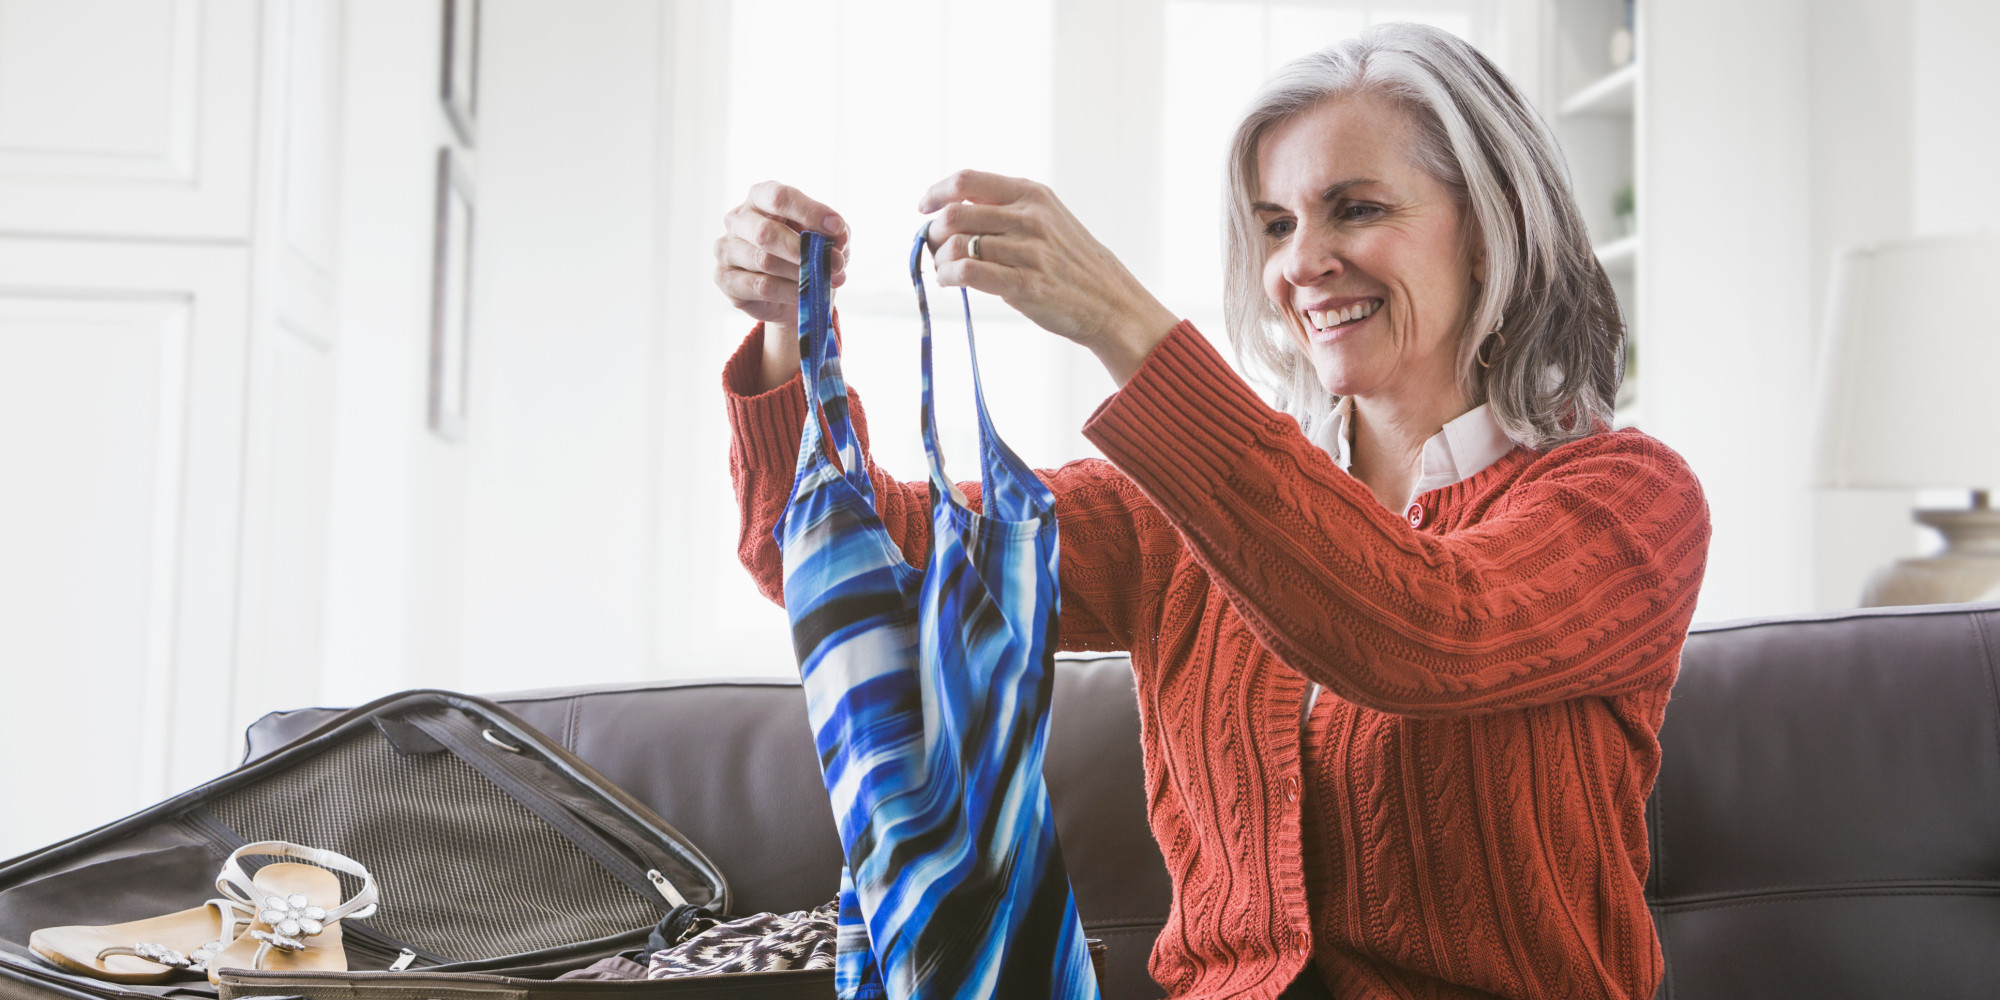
{"x": 1826, "y": 821}
{"x": 1827, "y": 818}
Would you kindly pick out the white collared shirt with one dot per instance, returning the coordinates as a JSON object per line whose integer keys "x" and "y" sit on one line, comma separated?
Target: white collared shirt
{"x": 1464, "y": 447}
{"x": 1468, "y": 444}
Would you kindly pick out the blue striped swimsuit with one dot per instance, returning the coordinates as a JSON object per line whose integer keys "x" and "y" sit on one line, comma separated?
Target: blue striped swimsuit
{"x": 928, "y": 692}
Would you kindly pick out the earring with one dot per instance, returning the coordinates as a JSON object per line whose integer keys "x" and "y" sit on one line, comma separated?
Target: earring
{"x": 1485, "y": 361}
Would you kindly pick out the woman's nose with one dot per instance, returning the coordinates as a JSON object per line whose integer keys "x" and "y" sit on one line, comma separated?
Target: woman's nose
{"x": 1313, "y": 258}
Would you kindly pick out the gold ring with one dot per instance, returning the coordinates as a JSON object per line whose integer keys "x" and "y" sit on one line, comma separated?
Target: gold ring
{"x": 972, "y": 247}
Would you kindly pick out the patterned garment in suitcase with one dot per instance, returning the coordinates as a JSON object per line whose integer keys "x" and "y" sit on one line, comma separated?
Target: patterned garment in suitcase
{"x": 928, "y": 692}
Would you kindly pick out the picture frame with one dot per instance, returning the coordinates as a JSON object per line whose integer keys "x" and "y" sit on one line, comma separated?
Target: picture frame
{"x": 459, "y": 86}
{"x": 451, "y": 298}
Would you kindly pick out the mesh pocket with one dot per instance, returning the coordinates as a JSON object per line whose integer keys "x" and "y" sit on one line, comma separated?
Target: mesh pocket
{"x": 465, "y": 871}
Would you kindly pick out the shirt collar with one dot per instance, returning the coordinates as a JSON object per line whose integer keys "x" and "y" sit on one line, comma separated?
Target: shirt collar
{"x": 1464, "y": 447}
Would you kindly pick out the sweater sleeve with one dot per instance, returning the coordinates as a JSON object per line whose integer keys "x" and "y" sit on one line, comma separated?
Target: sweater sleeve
{"x": 1579, "y": 579}
{"x": 1116, "y": 548}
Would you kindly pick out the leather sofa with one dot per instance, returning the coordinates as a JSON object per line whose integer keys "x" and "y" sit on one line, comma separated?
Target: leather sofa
{"x": 1826, "y": 822}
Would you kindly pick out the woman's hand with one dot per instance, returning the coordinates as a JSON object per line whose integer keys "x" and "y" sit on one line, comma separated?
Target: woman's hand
{"x": 1037, "y": 257}
{"x": 757, "y": 266}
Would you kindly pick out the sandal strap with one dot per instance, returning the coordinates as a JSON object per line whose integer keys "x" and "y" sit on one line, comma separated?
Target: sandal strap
{"x": 157, "y": 954}
{"x": 229, "y": 913}
{"x": 235, "y": 883}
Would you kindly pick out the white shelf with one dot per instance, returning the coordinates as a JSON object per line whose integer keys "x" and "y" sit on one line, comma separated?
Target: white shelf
{"x": 1619, "y": 254}
{"x": 1610, "y": 94}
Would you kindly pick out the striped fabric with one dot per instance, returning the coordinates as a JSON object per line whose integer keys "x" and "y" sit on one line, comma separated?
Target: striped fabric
{"x": 928, "y": 692}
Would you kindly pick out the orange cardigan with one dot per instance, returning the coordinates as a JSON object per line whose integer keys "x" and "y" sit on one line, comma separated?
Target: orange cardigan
{"x": 1465, "y": 814}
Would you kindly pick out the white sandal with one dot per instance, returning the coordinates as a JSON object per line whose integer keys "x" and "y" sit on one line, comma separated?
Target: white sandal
{"x": 164, "y": 946}
{"x": 297, "y": 909}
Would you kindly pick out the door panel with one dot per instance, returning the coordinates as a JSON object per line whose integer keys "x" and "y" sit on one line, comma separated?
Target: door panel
{"x": 90, "y": 396}
{"x": 127, "y": 117}
{"x": 121, "y": 410}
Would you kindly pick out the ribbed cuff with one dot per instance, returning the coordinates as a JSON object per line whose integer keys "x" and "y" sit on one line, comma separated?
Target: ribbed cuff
{"x": 1183, "y": 421}
{"x": 766, "y": 424}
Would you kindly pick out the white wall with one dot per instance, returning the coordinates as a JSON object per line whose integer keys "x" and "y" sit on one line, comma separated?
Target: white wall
{"x": 708, "y": 618}
{"x": 521, "y": 555}
{"x": 1862, "y": 55}
{"x": 561, "y": 484}
{"x": 1727, "y": 311}
{"x": 396, "y": 510}
{"x": 1955, "y": 134}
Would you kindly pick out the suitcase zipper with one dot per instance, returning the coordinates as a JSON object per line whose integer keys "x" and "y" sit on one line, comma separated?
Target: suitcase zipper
{"x": 403, "y": 960}
{"x": 457, "y": 735}
{"x": 666, "y": 888}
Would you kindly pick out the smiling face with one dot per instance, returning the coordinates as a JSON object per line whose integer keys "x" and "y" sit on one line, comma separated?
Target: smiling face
{"x": 1366, "y": 256}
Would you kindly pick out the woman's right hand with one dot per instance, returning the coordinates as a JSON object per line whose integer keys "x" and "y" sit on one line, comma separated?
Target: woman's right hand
{"x": 757, "y": 266}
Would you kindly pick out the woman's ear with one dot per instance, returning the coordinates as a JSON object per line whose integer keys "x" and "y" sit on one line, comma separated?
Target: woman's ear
{"x": 1475, "y": 239}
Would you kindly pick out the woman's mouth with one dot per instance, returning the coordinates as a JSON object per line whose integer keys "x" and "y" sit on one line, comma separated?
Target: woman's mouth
{"x": 1326, "y": 325}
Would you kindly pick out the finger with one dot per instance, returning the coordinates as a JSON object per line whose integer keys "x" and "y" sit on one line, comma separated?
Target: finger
{"x": 759, "y": 309}
{"x": 974, "y": 185}
{"x": 993, "y": 249}
{"x": 838, "y": 265}
{"x": 979, "y": 275}
{"x": 747, "y": 288}
{"x": 789, "y": 204}
{"x": 764, "y": 233}
{"x": 748, "y": 257}
{"x": 968, "y": 218}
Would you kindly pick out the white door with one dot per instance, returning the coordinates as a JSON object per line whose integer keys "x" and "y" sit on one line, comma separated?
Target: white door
{"x": 121, "y": 437}
{"x": 164, "y": 387}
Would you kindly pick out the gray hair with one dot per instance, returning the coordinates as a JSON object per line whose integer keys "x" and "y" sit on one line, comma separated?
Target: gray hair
{"x": 1555, "y": 374}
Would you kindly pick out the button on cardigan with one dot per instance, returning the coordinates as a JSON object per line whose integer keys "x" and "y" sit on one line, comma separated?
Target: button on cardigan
{"x": 1463, "y": 815}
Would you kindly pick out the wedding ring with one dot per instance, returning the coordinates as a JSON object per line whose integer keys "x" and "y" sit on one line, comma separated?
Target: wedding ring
{"x": 972, "y": 248}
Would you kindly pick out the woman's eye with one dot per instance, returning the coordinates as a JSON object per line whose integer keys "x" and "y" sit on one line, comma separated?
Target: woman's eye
{"x": 1278, "y": 229}
{"x": 1360, "y": 211}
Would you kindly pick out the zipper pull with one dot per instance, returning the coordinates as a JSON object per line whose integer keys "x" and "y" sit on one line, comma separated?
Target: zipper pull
{"x": 403, "y": 960}
{"x": 666, "y": 888}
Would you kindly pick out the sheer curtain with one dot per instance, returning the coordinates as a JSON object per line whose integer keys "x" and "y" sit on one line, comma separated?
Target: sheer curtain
{"x": 863, "y": 104}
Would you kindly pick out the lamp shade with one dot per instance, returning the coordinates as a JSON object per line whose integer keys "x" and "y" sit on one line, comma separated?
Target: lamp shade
{"x": 1909, "y": 380}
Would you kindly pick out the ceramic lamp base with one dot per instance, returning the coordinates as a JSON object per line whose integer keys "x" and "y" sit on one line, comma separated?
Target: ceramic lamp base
{"x": 1967, "y": 570}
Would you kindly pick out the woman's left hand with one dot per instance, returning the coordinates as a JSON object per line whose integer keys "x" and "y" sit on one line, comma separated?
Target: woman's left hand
{"x": 1037, "y": 257}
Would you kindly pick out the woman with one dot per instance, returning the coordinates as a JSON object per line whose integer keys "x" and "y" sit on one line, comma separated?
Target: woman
{"x": 1402, "y": 655}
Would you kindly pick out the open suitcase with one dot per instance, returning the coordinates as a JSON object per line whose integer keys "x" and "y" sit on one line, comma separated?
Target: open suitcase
{"x": 502, "y": 859}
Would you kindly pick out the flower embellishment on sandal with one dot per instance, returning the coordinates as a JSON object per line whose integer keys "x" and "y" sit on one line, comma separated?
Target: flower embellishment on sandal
{"x": 292, "y": 916}
{"x": 198, "y": 958}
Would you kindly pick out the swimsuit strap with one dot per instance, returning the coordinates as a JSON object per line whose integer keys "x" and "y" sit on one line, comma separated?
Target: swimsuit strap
{"x": 819, "y": 367}
{"x": 1012, "y": 491}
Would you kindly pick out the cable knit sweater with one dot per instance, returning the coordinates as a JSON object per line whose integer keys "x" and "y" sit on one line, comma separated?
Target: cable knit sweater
{"x": 1464, "y": 816}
